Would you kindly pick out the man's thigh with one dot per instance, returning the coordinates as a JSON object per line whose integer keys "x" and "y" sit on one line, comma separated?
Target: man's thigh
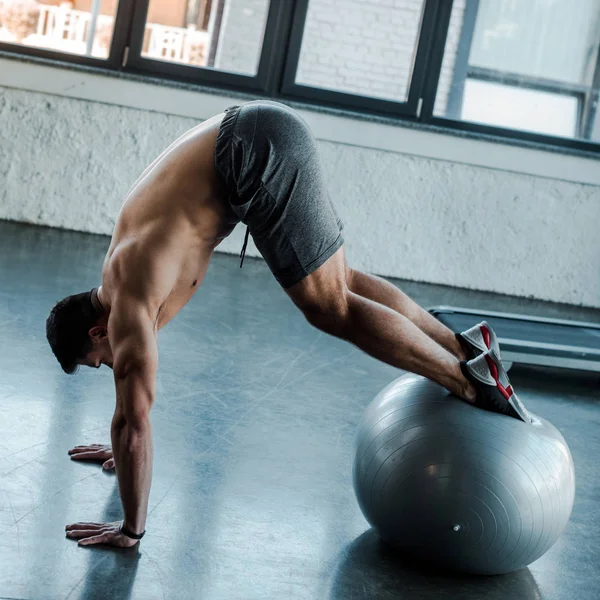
{"x": 283, "y": 197}
{"x": 323, "y": 288}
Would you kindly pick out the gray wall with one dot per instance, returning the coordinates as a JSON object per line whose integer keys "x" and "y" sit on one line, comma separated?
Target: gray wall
{"x": 66, "y": 162}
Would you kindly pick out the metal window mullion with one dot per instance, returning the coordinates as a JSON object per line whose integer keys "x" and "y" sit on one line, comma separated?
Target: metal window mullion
{"x": 431, "y": 73}
{"x": 275, "y": 48}
{"x": 294, "y": 46}
{"x": 590, "y": 108}
{"x": 137, "y": 27}
{"x": 461, "y": 63}
{"x": 526, "y": 81}
{"x": 121, "y": 33}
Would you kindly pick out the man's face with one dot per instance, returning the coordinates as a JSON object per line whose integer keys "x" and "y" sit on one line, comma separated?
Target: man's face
{"x": 101, "y": 352}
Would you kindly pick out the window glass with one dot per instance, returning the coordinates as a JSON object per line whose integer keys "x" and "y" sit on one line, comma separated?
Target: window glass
{"x": 82, "y": 27}
{"x": 363, "y": 47}
{"x": 542, "y": 112}
{"x": 221, "y": 34}
{"x": 531, "y": 66}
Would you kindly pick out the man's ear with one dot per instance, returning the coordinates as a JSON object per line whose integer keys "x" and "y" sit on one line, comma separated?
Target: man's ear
{"x": 98, "y": 332}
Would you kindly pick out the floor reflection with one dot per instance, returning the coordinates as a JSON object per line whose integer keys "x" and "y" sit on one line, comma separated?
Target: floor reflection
{"x": 369, "y": 569}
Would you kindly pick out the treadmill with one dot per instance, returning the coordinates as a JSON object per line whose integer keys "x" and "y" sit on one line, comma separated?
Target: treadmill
{"x": 529, "y": 340}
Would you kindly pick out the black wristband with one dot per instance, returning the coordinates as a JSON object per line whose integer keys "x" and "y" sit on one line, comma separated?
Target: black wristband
{"x": 130, "y": 534}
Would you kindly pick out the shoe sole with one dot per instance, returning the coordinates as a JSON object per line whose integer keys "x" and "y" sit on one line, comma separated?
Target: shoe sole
{"x": 506, "y": 389}
{"x": 486, "y": 337}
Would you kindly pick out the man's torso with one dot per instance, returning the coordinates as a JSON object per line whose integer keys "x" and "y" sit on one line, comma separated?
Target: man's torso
{"x": 169, "y": 225}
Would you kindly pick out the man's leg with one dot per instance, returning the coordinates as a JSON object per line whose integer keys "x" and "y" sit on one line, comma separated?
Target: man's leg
{"x": 330, "y": 305}
{"x": 382, "y": 291}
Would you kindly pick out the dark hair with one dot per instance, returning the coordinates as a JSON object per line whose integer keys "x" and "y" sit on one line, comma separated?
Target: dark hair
{"x": 67, "y": 329}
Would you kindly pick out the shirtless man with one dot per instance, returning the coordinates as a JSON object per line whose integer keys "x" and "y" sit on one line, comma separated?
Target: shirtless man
{"x": 257, "y": 164}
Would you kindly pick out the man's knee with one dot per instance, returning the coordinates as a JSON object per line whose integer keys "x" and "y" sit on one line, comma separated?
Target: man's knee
{"x": 329, "y": 314}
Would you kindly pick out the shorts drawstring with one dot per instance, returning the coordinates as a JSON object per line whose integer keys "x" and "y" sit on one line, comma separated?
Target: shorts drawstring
{"x": 243, "y": 253}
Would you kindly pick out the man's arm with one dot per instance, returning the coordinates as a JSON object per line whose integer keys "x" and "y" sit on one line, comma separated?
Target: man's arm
{"x": 135, "y": 359}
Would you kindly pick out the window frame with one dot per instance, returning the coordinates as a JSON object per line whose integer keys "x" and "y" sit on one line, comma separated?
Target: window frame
{"x": 429, "y": 117}
{"x": 277, "y": 17}
{"x": 278, "y": 64}
{"x": 408, "y": 108}
{"x": 493, "y": 131}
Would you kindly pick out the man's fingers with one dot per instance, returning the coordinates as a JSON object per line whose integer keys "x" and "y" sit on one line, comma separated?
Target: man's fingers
{"x": 92, "y": 454}
{"x": 109, "y": 464}
{"x": 98, "y": 539}
{"x": 85, "y": 448}
{"x": 84, "y": 525}
{"x": 85, "y": 456}
{"x": 86, "y": 533}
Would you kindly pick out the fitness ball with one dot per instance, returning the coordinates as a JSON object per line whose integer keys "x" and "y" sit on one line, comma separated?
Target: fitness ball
{"x": 458, "y": 486}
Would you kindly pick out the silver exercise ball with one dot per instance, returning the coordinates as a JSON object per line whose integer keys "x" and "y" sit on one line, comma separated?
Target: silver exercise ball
{"x": 458, "y": 486}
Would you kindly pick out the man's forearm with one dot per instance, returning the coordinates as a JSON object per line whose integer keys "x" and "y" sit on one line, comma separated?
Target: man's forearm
{"x": 132, "y": 451}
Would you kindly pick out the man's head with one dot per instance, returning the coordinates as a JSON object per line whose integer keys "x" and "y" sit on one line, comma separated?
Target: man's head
{"x": 77, "y": 332}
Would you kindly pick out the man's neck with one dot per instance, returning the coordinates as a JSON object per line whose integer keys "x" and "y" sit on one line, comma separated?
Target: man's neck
{"x": 96, "y": 299}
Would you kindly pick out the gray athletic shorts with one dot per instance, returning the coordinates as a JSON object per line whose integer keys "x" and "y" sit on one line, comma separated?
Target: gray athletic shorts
{"x": 266, "y": 159}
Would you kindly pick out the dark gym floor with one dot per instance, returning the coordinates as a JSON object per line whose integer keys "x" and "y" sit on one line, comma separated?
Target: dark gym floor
{"x": 253, "y": 429}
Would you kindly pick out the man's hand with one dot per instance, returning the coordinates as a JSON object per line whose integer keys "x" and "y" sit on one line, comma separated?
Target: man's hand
{"x": 99, "y": 533}
{"x": 94, "y": 452}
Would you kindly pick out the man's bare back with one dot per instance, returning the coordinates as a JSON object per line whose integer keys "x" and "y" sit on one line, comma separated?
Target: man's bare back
{"x": 170, "y": 223}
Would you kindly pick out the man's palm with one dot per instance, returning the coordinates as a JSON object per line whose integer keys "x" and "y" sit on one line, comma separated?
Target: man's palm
{"x": 94, "y": 452}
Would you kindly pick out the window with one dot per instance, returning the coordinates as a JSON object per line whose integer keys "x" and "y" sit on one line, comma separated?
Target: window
{"x": 526, "y": 69}
{"x": 530, "y": 66}
{"x": 362, "y": 48}
{"x": 83, "y": 27}
{"x": 365, "y": 54}
{"x": 538, "y": 110}
{"x": 218, "y": 34}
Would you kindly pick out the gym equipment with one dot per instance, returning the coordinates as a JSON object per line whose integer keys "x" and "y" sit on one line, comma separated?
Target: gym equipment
{"x": 533, "y": 340}
{"x": 458, "y": 486}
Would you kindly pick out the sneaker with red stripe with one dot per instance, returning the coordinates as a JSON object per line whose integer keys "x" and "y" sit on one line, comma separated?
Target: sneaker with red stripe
{"x": 478, "y": 339}
{"x": 494, "y": 391}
